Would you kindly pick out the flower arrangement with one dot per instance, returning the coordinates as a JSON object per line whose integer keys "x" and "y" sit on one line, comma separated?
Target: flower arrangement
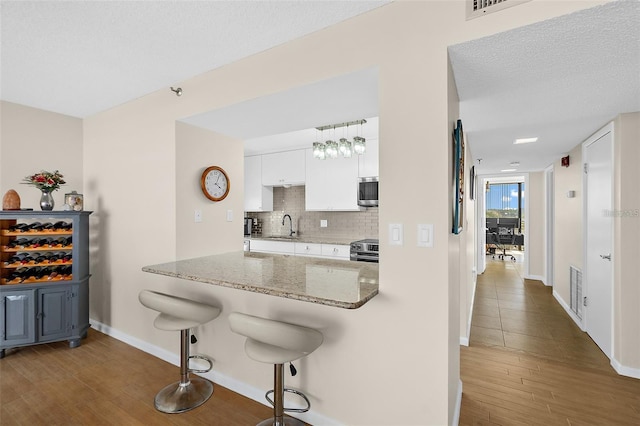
{"x": 45, "y": 181}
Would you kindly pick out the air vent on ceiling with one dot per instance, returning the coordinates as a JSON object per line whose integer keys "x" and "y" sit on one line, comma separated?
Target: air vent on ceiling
{"x": 477, "y": 8}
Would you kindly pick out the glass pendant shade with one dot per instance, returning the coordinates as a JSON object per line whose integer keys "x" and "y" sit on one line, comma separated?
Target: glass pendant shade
{"x": 359, "y": 145}
{"x": 319, "y": 150}
{"x": 331, "y": 149}
{"x": 345, "y": 148}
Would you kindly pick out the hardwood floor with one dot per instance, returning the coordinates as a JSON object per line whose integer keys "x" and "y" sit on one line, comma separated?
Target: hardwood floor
{"x": 529, "y": 364}
{"x": 104, "y": 382}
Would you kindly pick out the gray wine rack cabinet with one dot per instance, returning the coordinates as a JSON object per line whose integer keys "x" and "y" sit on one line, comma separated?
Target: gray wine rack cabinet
{"x": 46, "y": 306}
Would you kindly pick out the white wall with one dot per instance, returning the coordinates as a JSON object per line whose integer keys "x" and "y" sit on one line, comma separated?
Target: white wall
{"x": 568, "y": 222}
{"x": 406, "y": 337}
{"x": 197, "y": 149}
{"x": 535, "y": 226}
{"x": 626, "y": 250}
{"x": 32, "y": 140}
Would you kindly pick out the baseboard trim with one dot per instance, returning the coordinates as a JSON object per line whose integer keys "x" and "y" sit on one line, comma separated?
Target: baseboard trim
{"x": 464, "y": 340}
{"x": 568, "y": 310}
{"x": 620, "y": 369}
{"x": 456, "y": 414}
{"x": 625, "y": 371}
{"x": 228, "y": 382}
{"x": 534, "y": 277}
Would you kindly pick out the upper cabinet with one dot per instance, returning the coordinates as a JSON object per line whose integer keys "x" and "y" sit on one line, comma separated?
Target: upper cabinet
{"x": 368, "y": 162}
{"x": 284, "y": 168}
{"x": 331, "y": 184}
{"x": 257, "y": 198}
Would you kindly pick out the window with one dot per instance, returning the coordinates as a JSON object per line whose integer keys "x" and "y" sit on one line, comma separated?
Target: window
{"x": 506, "y": 200}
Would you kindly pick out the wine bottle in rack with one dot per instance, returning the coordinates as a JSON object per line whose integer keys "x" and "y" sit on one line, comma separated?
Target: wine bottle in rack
{"x": 18, "y": 243}
{"x": 35, "y": 226}
{"x": 19, "y": 227}
{"x": 62, "y": 226}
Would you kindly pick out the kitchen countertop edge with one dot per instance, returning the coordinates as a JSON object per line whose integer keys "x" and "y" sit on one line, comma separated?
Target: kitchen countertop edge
{"x": 155, "y": 269}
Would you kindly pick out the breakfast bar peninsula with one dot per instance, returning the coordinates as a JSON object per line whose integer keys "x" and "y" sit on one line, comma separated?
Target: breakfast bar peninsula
{"x": 339, "y": 283}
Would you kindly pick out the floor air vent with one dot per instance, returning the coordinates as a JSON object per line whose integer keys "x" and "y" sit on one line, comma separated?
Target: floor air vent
{"x": 477, "y": 8}
{"x": 575, "y": 285}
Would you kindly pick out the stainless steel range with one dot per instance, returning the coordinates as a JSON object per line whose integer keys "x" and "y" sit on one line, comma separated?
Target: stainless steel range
{"x": 364, "y": 250}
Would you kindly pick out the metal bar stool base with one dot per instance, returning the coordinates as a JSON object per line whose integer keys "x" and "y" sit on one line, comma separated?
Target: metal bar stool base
{"x": 286, "y": 421}
{"x": 179, "y": 397}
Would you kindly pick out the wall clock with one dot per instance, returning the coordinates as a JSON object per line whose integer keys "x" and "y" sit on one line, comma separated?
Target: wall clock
{"x": 215, "y": 183}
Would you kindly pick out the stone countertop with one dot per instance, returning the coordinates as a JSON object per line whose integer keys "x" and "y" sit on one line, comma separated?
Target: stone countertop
{"x": 307, "y": 239}
{"x": 328, "y": 282}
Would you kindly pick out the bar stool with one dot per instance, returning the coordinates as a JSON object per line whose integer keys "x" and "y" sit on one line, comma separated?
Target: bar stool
{"x": 276, "y": 343}
{"x": 178, "y": 314}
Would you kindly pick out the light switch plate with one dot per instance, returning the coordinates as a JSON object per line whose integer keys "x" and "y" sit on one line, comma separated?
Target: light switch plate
{"x": 323, "y": 223}
{"x": 197, "y": 216}
{"x": 425, "y": 235}
{"x": 229, "y": 215}
{"x": 395, "y": 234}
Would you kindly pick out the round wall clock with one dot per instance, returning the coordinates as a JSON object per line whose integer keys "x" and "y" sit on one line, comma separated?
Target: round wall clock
{"x": 215, "y": 183}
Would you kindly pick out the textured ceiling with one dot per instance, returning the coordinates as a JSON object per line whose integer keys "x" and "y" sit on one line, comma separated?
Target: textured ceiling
{"x": 559, "y": 80}
{"x": 82, "y": 57}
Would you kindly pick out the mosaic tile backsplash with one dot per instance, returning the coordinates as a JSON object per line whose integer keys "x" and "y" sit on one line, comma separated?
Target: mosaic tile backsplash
{"x": 351, "y": 225}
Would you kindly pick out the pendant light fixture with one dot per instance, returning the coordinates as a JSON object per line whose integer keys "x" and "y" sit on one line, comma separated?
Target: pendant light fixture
{"x": 330, "y": 148}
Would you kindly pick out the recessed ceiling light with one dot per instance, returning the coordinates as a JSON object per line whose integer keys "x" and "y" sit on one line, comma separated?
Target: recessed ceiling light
{"x": 508, "y": 170}
{"x": 525, "y": 140}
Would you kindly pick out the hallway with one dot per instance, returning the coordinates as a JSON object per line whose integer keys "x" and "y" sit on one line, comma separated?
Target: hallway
{"x": 529, "y": 364}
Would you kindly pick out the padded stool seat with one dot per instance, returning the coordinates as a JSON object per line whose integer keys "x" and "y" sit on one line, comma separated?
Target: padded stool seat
{"x": 177, "y": 313}
{"x": 276, "y": 342}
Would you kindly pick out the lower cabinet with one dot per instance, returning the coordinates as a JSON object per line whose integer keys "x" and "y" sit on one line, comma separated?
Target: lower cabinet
{"x": 43, "y": 313}
{"x": 334, "y": 251}
{"x": 279, "y": 247}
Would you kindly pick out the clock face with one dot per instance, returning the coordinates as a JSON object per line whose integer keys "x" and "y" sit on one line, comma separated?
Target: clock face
{"x": 215, "y": 183}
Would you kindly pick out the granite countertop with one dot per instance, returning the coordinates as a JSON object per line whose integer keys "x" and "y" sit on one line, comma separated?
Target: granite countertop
{"x": 328, "y": 282}
{"x": 307, "y": 239}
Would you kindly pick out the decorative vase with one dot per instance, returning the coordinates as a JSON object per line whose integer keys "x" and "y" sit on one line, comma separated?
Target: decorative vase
{"x": 46, "y": 200}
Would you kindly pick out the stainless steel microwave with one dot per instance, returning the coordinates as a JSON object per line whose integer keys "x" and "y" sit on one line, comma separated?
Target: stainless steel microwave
{"x": 368, "y": 191}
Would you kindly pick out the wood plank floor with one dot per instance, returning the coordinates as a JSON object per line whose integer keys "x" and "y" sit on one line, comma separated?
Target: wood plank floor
{"x": 529, "y": 364}
{"x": 104, "y": 382}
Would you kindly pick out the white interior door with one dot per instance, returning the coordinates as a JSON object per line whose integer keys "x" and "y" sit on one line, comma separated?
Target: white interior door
{"x": 598, "y": 155}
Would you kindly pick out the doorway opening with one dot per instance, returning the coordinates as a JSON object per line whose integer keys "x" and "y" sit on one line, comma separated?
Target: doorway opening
{"x": 504, "y": 215}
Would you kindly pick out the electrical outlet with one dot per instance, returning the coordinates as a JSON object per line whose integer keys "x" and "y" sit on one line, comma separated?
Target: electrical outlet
{"x": 323, "y": 223}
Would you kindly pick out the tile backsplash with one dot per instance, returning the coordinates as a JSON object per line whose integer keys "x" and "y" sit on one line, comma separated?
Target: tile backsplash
{"x": 351, "y": 225}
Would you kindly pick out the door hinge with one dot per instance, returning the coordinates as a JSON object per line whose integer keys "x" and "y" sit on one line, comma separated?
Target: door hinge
{"x": 584, "y": 301}
{"x": 586, "y": 168}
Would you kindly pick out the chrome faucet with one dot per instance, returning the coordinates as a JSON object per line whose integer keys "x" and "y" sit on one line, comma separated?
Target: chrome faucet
{"x": 291, "y": 231}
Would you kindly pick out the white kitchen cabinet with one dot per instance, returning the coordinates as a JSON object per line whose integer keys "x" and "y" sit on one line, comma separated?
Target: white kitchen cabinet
{"x": 321, "y": 250}
{"x": 336, "y": 251}
{"x": 368, "y": 162}
{"x": 308, "y": 249}
{"x": 284, "y": 168}
{"x": 331, "y": 184}
{"x": 257, "y": 197}
{"x": 280, "y": 247}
